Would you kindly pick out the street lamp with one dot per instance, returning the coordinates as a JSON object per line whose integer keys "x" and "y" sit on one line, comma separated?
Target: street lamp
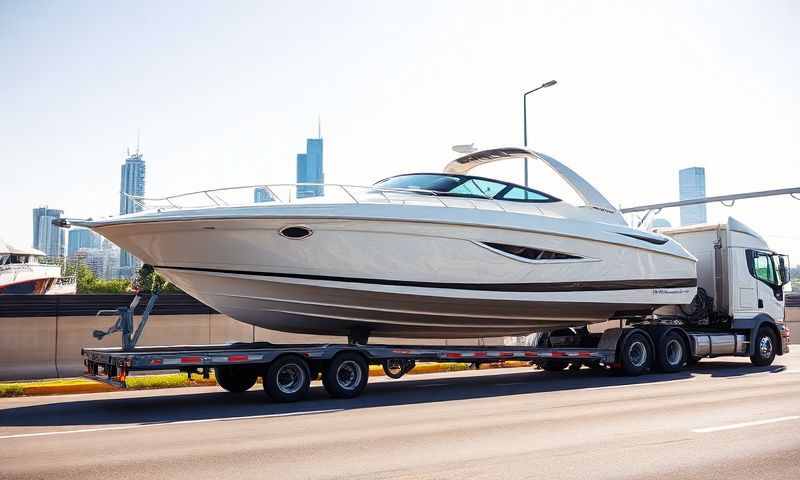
{"x": 525, "y": 119}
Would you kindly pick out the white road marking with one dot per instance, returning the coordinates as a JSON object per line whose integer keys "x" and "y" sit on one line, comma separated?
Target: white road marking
{"x": 734, "y": 426}
{"x": 160, "y": 424}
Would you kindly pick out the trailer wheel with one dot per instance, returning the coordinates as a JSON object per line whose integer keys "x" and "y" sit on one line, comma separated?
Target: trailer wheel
{"x": 346, "y": 375}
{"x": 765, "y": 348}
{"x": 671, "y": 352}
{"x": 235, "y": 379}
{"x": 287, "y": 379}
{"x": 636, "y": 355}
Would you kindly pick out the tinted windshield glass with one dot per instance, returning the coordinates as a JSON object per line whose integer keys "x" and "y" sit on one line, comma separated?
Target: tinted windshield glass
{"x": 437, "y": 183}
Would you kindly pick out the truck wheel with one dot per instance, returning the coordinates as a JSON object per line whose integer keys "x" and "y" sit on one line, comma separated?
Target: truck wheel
{"x": 671, "y": 352}
{"x": 636, "y": 355}
{"x": 235, "y": 379}
{"x": 765, "y": 348}
{"x": 287, "y": 379}
{"x": 346, "y": 375}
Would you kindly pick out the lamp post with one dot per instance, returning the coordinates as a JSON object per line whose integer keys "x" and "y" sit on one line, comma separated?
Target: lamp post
{"x": 525, "y": 119}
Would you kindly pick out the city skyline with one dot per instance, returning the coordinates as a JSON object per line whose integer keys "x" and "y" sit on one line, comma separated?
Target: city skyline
{"x": 397, "y": 103}
{"x": 310, "y": 168}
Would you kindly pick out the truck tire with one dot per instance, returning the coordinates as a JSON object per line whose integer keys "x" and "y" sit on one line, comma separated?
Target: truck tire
{"x": 765, "y": 348}
{"x": 235, "y": 379}
{"x": 636, "y": 355}
{"x": 671, "y": 352}
{"x": 287, "y": 379}
{"x": 346, "y": 375}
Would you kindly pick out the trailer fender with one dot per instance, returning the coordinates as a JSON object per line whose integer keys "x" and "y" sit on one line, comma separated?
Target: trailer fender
{"x": 754, "y": 325}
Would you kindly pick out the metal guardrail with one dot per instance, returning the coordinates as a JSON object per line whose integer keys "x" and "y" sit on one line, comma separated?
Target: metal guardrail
{"x": 287, "y": 193}
{"x": 792, "y": 300}
{"x": 88, "y": 305}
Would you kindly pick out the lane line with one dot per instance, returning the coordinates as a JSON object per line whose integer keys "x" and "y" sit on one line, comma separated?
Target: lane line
{"x": 734, "y": 426}
{"x": 160, "y": 424}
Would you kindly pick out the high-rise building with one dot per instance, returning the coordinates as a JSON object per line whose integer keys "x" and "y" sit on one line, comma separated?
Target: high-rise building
{"x": 46, "y": 236}
{"x": 692, "y": 184}
{"x": 309, "y": 168}
{"x": 131, "y": 183}
{"x": 261, "y": 195}
{"x": 81, "y": 238}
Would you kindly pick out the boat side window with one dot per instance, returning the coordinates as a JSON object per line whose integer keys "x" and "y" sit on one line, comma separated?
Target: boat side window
{"x": 436, "y": 183}
{"x": 479, "y": 187}
{"x": 524, "y": 195}
{"x": 3, "y": 259}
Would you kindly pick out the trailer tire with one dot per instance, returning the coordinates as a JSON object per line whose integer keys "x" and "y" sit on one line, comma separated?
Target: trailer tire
{"x": 765, "y": 350}
{"x": 235, "y": 379}
{"x": 636, "y": 354}
{"x": 287, "y": 379}
{"x": 346, "y": 375}
{"x": 671, "y": 352}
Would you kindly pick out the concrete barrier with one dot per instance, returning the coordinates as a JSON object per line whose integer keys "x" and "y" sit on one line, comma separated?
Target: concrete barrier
{"x": 28, "y": 347}
{"x": 793, "y": 322}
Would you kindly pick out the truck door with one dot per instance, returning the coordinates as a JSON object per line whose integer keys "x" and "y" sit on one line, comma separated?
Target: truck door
{"x": 769, "y": 286}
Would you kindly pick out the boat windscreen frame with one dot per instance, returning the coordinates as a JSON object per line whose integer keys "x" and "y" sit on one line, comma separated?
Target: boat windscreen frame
{"x": 466, "y": 178}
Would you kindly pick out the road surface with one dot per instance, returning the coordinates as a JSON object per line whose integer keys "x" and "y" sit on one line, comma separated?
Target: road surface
{"x": 722, "y": 420}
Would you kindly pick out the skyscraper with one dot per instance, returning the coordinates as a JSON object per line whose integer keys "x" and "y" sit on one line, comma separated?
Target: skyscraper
{"x": 81, "y": 238}
{"x": 46, "y": 236}
{"x": 692, "y": 184}
{"x": 309, "y": 168}
{"x": 131, "y": 183}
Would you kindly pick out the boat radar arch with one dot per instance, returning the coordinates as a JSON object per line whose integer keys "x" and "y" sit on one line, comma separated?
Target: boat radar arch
{"x": 590, "y": 196}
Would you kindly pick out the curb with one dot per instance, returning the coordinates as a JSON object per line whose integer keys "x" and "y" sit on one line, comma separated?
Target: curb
{"x": 91, "y": 386}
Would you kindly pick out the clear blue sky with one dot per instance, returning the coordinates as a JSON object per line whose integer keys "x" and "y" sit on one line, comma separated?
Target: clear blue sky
{"x": 225, "y": 93}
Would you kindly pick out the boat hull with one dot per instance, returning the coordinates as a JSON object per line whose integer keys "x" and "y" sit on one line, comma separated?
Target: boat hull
{"x": 341, "y": 308}
{"x": 405, "y": 271}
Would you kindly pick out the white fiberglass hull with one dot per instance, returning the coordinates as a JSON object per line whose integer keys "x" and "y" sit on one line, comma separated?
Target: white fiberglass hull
{"x": 405, "y": 271}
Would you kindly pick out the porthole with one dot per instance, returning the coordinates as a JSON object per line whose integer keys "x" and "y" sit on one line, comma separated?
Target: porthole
{"x": 296, "y": 232}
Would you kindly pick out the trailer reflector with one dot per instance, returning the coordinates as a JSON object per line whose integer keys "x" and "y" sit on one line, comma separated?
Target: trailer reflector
{"x": 238, "y": 358}
{"x": 453, "y": 355}
{"x": 191, "y": 359}
{"x": 156, "y": 361}
{"x": 558, "y": 354}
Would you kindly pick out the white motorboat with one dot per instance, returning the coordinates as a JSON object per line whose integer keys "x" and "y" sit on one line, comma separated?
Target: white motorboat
{"x": 437, "y": 255}
{"x": 21, "y": 273}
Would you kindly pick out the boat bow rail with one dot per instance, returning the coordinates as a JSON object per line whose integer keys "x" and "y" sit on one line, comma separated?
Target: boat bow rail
{"x": 293, "y": 193}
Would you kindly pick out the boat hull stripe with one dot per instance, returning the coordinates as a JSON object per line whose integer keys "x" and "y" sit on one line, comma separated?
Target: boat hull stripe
{"x": 591, "y": 286}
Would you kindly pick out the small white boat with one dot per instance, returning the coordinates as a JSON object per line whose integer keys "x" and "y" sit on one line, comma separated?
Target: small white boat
{"x": 420, "y": 255}
{"x": 21, "y": 273}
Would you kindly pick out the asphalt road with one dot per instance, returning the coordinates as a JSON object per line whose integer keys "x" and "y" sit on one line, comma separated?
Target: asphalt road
{"x": 722, "y": 420}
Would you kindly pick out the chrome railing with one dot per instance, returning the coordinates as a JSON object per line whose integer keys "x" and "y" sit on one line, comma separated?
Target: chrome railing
{"x": 291, "y": 193}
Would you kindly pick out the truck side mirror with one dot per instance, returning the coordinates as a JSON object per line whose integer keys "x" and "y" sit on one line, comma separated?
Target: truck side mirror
{"x": 783, "y": 271}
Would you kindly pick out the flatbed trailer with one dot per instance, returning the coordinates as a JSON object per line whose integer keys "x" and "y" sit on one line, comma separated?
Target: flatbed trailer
{"x": 287, "y": 370}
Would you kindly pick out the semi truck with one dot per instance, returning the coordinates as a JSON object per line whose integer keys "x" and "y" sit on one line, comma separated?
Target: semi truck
{"x": 738, "y": 311}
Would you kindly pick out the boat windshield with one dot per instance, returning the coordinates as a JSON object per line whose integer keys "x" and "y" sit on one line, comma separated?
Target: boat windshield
{"x": 466, "y": 186}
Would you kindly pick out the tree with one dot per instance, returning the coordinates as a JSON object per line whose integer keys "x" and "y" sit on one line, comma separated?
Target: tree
{"x": 149, "y": 281}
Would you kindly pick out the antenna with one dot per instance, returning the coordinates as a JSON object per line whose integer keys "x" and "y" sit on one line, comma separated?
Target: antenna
{"x": 319, "y": 127}
{"x": 137, "y": 141}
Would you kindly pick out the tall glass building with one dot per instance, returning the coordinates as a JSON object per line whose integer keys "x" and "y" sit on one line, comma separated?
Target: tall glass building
{"x": 81, "y": 238}
{"x": 46, "y": 236}
{"x": 131, "y": 183}
{"x": 309, "y": 169}
{"x": 692, "y": 184}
